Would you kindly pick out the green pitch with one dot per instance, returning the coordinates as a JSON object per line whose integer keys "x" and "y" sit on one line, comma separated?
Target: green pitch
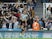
{"x": 25, "y": 38}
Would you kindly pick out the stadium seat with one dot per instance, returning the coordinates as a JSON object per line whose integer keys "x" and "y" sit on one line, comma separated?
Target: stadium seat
{"x": 4, "y": 29}
{"x": 17, "y": 29}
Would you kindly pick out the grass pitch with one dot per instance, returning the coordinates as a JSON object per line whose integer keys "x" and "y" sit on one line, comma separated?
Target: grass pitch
{"x": 25, "y": 38}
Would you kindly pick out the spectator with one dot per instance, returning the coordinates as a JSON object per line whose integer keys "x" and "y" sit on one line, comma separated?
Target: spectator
{"x": 24, "y": 16}
{"x": 48, "y": 25}
{"x": 14, "y": 9}
{"x": 4, "y": 24}
{"x": 17, "y": 14}
{"x": 20, "y": 9}
{"x": 32, "y": 12}
{"x": 51, "y": 10}
{"x": 30, "y": 22}
{"x": 48, "y": 11}
{"x": 36, "y": 26}
{"x": 34, "y": 2}
{"x": 1, "y": 20}
{"x": 0, "y": 11}
{"x": 42, "y": 23}
{"x": 44, "y": 1}
{"x": 23, "y": 27}
{"x": 16, "y": 23}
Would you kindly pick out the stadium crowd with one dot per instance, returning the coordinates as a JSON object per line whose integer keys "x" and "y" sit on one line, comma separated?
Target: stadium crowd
{"x": 14, "y": 16}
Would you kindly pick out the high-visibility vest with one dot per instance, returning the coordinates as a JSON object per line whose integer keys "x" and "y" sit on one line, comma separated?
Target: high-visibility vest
{"x": 36, "y": 26}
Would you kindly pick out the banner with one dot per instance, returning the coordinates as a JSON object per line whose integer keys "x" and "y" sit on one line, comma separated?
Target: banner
{"x": 33, "y": 34}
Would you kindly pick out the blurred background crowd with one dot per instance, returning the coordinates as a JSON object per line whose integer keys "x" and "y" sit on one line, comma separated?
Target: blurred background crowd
{"x": 22, "y": 15}
{"x": 26, "y": 0}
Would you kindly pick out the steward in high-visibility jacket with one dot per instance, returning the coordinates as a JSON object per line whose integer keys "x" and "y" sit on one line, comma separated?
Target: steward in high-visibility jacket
{"x": 36, "y": 26}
